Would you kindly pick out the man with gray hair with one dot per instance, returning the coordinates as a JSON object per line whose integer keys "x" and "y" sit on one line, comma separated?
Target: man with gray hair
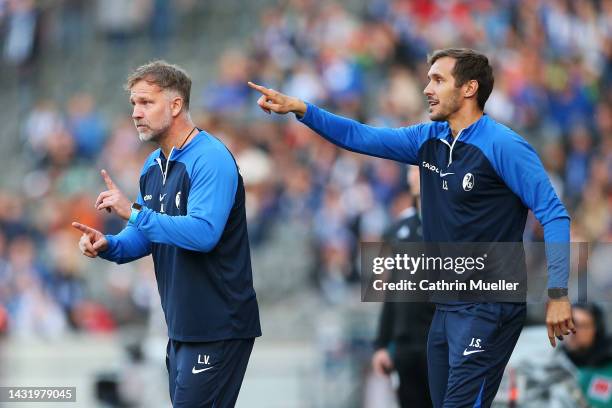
{"x": 190, "y": 215}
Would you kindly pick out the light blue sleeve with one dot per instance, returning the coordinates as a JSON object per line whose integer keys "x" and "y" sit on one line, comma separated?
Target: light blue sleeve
{"x": 400, "y": 144}
{"x": 214, "y": 181}
{"x": 129, "y": 245}
{"x": 519, "y": 166}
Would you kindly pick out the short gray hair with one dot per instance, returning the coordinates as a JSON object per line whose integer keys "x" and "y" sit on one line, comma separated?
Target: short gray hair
{"x": 164, "y": 75}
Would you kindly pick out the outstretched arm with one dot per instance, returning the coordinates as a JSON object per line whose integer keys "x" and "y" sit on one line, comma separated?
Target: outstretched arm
{"x": 274, "y": 101}
{"x": 401, "y": 144}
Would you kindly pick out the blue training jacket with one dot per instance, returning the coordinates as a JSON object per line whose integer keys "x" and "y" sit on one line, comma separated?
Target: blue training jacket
{"x": 194, "y": 223}
{"x": 476, "y": 187}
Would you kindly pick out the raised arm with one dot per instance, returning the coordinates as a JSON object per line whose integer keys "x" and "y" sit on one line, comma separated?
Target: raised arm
{"x": 400, "y": 144}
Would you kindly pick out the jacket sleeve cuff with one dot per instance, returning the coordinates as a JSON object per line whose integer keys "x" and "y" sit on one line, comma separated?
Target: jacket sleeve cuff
{"x": 141, "y": 215}
{"x": 109, "y": 253}
{"x": 307, "y": 118}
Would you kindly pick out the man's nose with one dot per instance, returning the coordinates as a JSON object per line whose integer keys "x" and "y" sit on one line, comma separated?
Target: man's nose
{"x": 136, "y": 113}
{"x": 427, "y": 91}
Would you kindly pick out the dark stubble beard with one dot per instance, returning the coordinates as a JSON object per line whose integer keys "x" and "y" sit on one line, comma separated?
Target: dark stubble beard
{"x": 448, "y": 108}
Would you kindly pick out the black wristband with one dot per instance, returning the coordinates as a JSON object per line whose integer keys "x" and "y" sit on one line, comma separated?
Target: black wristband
{"x": 557, "y": 293}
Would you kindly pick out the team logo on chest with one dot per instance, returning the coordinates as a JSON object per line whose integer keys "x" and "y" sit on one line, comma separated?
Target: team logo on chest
{"x": 468, "y": 181}
{"x": 177, "y": 200}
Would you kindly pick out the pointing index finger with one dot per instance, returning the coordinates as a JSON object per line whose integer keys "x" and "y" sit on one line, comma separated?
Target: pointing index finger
{"x": 260, "y": 88}
{"x": 83, "y": 228}
{"x": 109, "y": 182}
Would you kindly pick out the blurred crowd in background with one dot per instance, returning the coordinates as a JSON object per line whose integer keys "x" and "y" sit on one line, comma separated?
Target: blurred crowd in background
{"x": 553, "y": 71}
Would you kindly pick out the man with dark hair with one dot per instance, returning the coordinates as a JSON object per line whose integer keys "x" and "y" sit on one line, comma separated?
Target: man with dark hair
{"x": 469, "y": 65}
{"x": 190, "y": 215}
{"x": 478, "y": 180}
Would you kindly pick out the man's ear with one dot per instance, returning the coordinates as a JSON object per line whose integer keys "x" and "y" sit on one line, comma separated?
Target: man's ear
{"x": 176, "y": 105}
{"x": 470, "y": 88}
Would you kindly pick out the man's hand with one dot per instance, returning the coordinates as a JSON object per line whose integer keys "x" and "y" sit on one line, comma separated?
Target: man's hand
{"x": 274, "y": 101}
{"x": 92, "y": 241}
{"x": 113, "y": 199}
{"x": 381, "y": 362}
{"x": 559, "y": 320}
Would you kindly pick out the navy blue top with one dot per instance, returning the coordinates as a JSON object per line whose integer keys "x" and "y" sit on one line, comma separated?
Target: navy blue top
{"x": 194, "y": 223}
{"x": 476, "y": 187}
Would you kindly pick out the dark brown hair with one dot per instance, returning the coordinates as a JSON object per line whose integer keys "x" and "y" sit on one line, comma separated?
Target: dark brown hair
{"x": 164, "y": 75}
{"x": 469, "y": 65}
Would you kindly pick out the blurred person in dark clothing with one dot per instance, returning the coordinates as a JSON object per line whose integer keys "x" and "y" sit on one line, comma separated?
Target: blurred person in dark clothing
{"x": 401, "y": 343}
{"x": 590, "y": 349}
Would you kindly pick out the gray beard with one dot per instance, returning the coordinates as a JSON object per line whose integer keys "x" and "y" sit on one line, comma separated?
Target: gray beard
{"x": 147, "y": 137}
{"x": 155, "y": 134}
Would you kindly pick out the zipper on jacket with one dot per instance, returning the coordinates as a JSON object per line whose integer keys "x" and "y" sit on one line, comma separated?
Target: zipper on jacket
{"x": 450, "y": 153}
{"x": 164, "y": 171}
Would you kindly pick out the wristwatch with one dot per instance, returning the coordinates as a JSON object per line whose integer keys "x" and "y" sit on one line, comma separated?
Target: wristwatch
{"x": 557, "y": 293}
{"x": 136, "y": 209}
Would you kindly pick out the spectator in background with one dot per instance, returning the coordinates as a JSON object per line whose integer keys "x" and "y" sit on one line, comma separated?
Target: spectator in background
{"x": 73, "y": 25}
{"x": 3, "y": 321}
{"x": 121, "y": 20}
{"x": 65, "y": 281}
{"x": 578, "y": 161}
{"x": 41, "y": 123}
{"x": 86, "y": 126}
{"x": 21, "y": 48}
{"x": 229, "y": 94}
{"x": 32, "y": 311}
{"x": 161, "y": 26}
{"x": 334, "y": 240}
{"x": 590, "y": 349}
{"x": 5, "y": 278}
